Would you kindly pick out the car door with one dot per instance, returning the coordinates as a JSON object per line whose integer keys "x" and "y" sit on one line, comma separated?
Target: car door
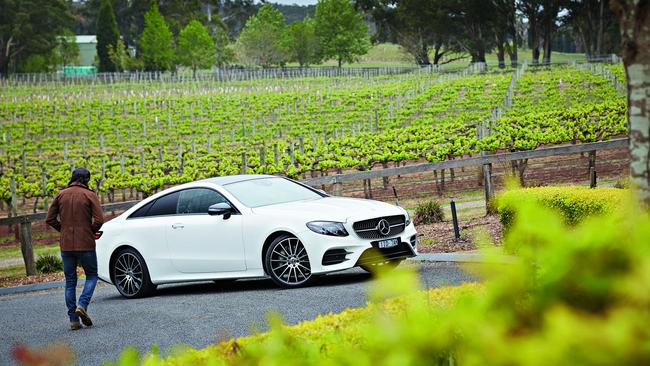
{"x": 200, "y": 243}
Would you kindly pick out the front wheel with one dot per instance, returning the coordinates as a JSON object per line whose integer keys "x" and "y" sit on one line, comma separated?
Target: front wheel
{"x": 130, "y": 275}
{"x": 287, "y": 262}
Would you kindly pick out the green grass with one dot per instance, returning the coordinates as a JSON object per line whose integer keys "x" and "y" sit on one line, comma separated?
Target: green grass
{"x": 14, "y": 251}
{"x": 15, "y": 271}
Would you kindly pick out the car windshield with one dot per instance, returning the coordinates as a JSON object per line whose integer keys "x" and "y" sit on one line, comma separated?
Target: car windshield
{"x": 269, "y": 191}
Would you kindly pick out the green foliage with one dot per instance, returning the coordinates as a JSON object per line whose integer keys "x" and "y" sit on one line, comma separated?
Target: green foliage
{"x": 39, "y": 63}
{"x": 68, "y": 49}
{"x": 30, "y": 27}
{"x": 121, "y": 58}
{"x": 108, "y": 36}
{"x": 574, "y": 204}
{"x": 428, "y": 213}
{"x": 263, "y": 41}
{"x": 341, "y": 31}
{"x": 575, "y": 296}
{"x": 303, "y": 42}
{"x": 156, "y": 41}
{"x": 196, "y": 48}
{"x": 49, "y": 263}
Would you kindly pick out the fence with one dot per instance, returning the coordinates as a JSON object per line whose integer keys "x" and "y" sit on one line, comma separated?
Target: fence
{"x": 484, "y": 161}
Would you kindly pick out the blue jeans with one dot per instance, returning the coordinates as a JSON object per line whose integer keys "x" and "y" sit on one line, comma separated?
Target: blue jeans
{"x": 88, "y": 261}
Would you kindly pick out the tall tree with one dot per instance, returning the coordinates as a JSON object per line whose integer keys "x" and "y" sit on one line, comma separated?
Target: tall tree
{"x": 505, "y": 31}
{"x": 196, "y": 48}
{"x": 476, "y": 17}
{"x": 107, "y": 35}
{"x": 593, "y": 22}
{"x": 303, "y": 43}
{"x": 532, "y": 10}
{"x": 634, "y": 17}
{"x": 30, "y": 27}
{"x": 263, "y": 40}
{"x": 550, "y": 10}
{"x": 156, "y": 41}
{"x": 342, "y": 33}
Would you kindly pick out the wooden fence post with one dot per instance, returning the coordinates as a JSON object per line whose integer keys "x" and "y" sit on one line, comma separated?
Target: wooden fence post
{"x": 26, "y": 247}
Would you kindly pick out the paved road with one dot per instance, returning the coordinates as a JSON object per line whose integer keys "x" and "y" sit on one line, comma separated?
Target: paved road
{"x": 195, "y": 314}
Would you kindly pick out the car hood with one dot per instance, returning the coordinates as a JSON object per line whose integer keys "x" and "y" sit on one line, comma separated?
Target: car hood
{"x": 332, "y": 209}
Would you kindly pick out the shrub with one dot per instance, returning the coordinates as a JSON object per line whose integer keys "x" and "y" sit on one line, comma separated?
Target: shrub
{"x": 428, "y": 213}
{"x": 574, "y": 204}
{"x": 49, "y": 263}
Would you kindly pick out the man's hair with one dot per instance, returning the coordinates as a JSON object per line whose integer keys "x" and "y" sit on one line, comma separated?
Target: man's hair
{"x": 80, "y": 175}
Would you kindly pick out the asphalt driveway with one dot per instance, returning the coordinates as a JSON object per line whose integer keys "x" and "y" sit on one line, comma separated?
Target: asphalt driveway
{"x": 195, "y": 314}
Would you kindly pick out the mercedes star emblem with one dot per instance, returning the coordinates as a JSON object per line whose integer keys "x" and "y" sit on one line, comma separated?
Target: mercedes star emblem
{"x": 383, "y": 227}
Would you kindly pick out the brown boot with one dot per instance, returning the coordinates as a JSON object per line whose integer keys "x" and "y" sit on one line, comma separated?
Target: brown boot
{"x": 81, "y": 312}
{"x": 75, "y": 325}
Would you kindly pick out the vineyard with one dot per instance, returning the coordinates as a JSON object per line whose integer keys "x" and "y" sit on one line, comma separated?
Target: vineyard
{"x": 138, "y": 137}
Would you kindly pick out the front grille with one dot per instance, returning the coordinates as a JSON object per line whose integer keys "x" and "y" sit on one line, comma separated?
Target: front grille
{"x": 367, "y": 229}
{"x": 334, "y": 256}
{"x": 374, "y": 255}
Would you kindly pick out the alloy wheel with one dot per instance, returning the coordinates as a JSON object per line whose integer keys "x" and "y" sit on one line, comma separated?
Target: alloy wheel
{"x": 129, "y": 275}
{"x": 289, "y": 263}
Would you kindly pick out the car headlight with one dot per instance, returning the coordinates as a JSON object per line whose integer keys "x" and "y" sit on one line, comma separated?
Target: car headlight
{"x": 408, "y": 219}
{"x": 327, "y": 228}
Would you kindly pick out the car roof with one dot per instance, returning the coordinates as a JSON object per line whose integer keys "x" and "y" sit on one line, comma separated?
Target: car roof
{"x": 235, "y": 178}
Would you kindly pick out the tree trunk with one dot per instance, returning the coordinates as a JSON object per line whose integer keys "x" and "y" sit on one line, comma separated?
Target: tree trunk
{"x": 599, "y": 36}
{"x": 501, "y": 51}
{"x": 635, "y": 38}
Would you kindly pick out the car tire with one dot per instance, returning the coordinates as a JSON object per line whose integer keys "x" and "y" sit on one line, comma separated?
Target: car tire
{"x": 131, "y": 275}
{"x": 287, "y": 262}
{"x": 378, "y": 267}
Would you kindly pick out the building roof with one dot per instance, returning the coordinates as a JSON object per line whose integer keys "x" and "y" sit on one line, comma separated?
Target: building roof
{"x": 86, "y": 39}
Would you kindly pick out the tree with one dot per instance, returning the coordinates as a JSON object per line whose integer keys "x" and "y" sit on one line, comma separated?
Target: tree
{"x": 156, "y": 41}
{"x": 68, "y": 48}
{"x": 505, "y": 31}
{"x": 634, "y": 17}
{"x": 341, "y": 31}
{"x": 592, "y": 22}
{"x": 476, "y": 17}
{"x": 196, "y": 48}
{"x": 263, "y": 40}
{"x": 550, "y": 10}
{"x": 30, "y": 27}
{"x": 303, "y": 42}
{"x": 532, "y": 10}
{"x": 107, "y": 35}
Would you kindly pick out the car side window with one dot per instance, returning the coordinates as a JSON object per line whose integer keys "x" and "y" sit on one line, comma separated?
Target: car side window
{"x": 165, "y": 205}
{"x": 142, "y": 211}
{"x": 197, "y": 200}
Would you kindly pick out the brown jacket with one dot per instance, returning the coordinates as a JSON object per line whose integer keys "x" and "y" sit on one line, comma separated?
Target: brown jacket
{"x": 79, "y": 217}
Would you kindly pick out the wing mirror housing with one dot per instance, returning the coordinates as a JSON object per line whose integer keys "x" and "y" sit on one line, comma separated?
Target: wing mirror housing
{"x": 219, "y": 209}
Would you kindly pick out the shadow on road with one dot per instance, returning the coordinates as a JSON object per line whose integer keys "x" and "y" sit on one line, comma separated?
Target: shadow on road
{"x": 225, "y": 286}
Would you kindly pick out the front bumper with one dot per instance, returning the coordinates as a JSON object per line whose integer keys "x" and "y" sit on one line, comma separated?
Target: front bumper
{"x": 330, "y": 253}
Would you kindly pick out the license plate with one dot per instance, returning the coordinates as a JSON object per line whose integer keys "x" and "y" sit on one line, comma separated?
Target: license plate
{"x": 388, "y": 243}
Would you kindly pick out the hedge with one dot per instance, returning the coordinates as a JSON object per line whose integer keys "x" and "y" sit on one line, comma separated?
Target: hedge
{"x": 574, "y": 204}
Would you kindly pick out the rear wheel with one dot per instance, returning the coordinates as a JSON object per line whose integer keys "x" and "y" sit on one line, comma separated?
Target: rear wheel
{"x": 287, "y": 262}
{"x": 382, "y": 266}
{"x": 130, "y": 274}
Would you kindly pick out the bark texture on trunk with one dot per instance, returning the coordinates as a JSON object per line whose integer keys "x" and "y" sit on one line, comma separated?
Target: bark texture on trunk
{"x": 634, "y": 18}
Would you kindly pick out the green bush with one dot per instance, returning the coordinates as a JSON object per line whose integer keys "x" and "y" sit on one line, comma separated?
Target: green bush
{"x": 49, "y": 263}
{"x": 428, "y": 213}
{"x": 574, "y": 204}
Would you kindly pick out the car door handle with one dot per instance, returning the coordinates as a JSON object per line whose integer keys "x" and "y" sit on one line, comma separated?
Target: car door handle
{"x": 178, "y": 226}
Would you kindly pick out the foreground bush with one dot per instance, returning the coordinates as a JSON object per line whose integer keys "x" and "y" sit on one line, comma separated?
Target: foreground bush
{"x": 49, "y": 263}
{"x": 573, "y": 203}
{"x": 428, "y": 213}
{"x": 576, "y": 296}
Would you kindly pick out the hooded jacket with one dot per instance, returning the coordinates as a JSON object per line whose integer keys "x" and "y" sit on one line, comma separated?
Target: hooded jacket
{"x": 77, "y": 215}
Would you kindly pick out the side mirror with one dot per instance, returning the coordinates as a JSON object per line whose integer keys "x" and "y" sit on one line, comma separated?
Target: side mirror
{"x": 222, "y": 208}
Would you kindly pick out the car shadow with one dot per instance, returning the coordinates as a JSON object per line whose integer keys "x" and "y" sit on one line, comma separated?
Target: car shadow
{"x": 260, "y": 284}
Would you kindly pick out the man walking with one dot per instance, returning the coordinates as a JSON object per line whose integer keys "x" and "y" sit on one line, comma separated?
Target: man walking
{"x": 77, "y": 215}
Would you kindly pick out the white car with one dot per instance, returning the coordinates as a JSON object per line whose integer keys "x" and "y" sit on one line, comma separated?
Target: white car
{"x": 247, "y": 226}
